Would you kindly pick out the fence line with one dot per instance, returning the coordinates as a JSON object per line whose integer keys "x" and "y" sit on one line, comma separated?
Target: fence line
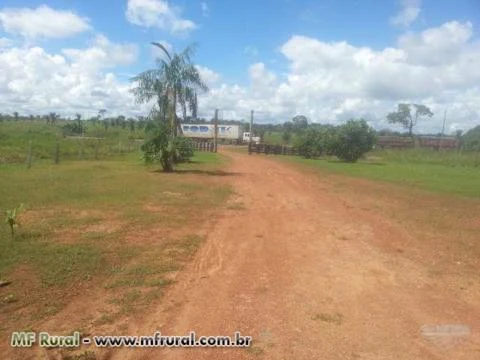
{"x": 272, "y": 149}
{"x": 203, "y": 146}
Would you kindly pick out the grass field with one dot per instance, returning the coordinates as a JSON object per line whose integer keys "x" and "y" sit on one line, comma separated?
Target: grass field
{"x": 15, "y": 137}
{"x": 275, "y": 138}
{"x": 100, "y": 224}
{"x": 449, "y": 172}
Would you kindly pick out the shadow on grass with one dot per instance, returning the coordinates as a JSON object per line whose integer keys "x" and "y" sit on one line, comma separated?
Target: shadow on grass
{"x": 206, "y": 172}
{"x": 354, "y": 163}
{"x": 198, "y": 172}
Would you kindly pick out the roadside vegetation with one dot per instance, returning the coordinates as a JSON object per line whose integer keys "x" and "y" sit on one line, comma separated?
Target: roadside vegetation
{"x": 114, "y": 228}
{"x": 455, "y": 174}
{"x": 348, "y": 142}
{"x": 99, "y": 230}
{"x": 173, "y": 84}
{"x": 101, "y": 139}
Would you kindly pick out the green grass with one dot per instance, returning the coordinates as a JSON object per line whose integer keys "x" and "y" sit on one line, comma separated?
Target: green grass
{"x": 16, "y": 135}
{"x": 275, "y": 138}
{"x": 424, "y": 170}
{"x": 88, "y": 221}
{"x": 429, "y": 157}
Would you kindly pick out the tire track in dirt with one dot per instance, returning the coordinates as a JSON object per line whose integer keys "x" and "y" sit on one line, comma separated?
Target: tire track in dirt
{"x": 309, "y": 275}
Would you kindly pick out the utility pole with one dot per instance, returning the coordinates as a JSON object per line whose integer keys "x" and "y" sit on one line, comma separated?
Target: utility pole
{"x": 215, "y": 138}
{"x": 443, "y": 129}
{"x": 250, "y": 137}
{"x": 444, "y": 121}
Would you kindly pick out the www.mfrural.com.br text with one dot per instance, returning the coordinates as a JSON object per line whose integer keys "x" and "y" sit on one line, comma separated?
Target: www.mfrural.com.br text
{"x": 47, "y": 340}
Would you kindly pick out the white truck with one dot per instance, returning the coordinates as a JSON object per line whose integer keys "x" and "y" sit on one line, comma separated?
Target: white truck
{"x": 246, "y": 138}
{"x": 207, "y": 131}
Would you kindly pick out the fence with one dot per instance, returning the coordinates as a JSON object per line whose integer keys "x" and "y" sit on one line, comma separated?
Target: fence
{"x": 69, "y": 148}
{"x": 271, "y": 149}
{"x": 395, "y": 142}
{"x": 398, "y": 142}
{"x": 438, "y": 143}
{"x": 203, "y": 146}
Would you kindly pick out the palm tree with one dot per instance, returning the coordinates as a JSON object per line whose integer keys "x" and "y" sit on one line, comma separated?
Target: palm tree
{"x": 174, "y": 82}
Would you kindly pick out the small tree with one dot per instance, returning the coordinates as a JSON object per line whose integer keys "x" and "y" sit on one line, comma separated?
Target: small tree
{"x": 286, "y": 137}
{"x": 353, "y": 140}
{"x": 408, "y": 115}
{"x": 310, "y": 143}
{"x": 471, "y": 139}
{"x": 174, "y": 82}
{"x": 159, "y": 143}
{"x": 11, "y": 218}
{"x": 318, "y": 141}
{"x": 184, "y": 148}
{"x": 300, "y": 122}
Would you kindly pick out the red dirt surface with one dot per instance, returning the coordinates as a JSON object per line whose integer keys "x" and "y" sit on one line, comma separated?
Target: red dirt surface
{"x": 314, "y": 266}
{"x": 325, "y": 267}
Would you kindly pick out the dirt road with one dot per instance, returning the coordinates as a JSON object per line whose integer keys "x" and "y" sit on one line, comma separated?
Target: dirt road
{"x": 326, "y": 267}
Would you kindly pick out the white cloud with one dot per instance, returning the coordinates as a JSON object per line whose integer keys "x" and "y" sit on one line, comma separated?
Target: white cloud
{"x": 103, "y": 54}
{"x": 408, "y": 14}
{"x": 210, "y": 77}
{"x": 5, "y": 42}
{"x": 42, "y": 22}
{"x": 35, "y": 81}
{"x": 438, "y": 45}
{"x": 158, "y": 13}
{"x": 326, "y": 81}
{"x": 205, "y": 9}
{"x": 333, "y": 81}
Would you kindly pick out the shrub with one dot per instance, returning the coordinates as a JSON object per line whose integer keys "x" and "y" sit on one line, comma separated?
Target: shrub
{"x": 73, "y": 129}
{"x": 315, "y": 142}
{"x": 471, "y": 139}
{"x": 310, "y": 143}
{"x": 11, "y": 218}
{"x": 159, "y": 145}
{"x": 353, "y": 140}
{"x": 184, "y": 148}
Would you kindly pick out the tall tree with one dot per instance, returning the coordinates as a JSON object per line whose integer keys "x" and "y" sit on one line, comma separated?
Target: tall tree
{"x": 300, "y": 122}
{"x": 52, "y": 118}
{"x": 174, "y": 82}
{"x": 408, "y": 115}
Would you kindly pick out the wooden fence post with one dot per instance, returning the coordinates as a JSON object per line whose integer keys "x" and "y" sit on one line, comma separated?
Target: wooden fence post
{"x": 57, "y": 153}
{"x": 97, "y": 145}
{"x": 29, "y": 154}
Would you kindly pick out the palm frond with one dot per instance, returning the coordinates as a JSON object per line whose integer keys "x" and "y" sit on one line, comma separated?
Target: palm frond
{"x": 163, "y": 48}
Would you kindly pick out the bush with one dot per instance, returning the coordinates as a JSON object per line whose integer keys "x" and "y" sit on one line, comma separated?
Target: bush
{"x": 73, "y": 129}
{"x": 310, "y": 144}
{"x": 471, "y": 139}
{"x": 159, "y": 145}
{"x": 353, "y": 140}
{"x": 315, "y": 142}
{"x": 184, "y": 149}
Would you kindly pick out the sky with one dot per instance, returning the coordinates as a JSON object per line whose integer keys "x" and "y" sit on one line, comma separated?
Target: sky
{"x": 330, "y": 60}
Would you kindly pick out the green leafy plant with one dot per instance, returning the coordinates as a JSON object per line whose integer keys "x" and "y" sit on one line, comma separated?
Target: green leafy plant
{"x": 159, "y": 146}
{"x": 174, "y": 82}
{"x": 11, "y": 218}
{"x": 353, "y": 140}
{"x": 318, "y": 141}
{"x": 184, "y": 147}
